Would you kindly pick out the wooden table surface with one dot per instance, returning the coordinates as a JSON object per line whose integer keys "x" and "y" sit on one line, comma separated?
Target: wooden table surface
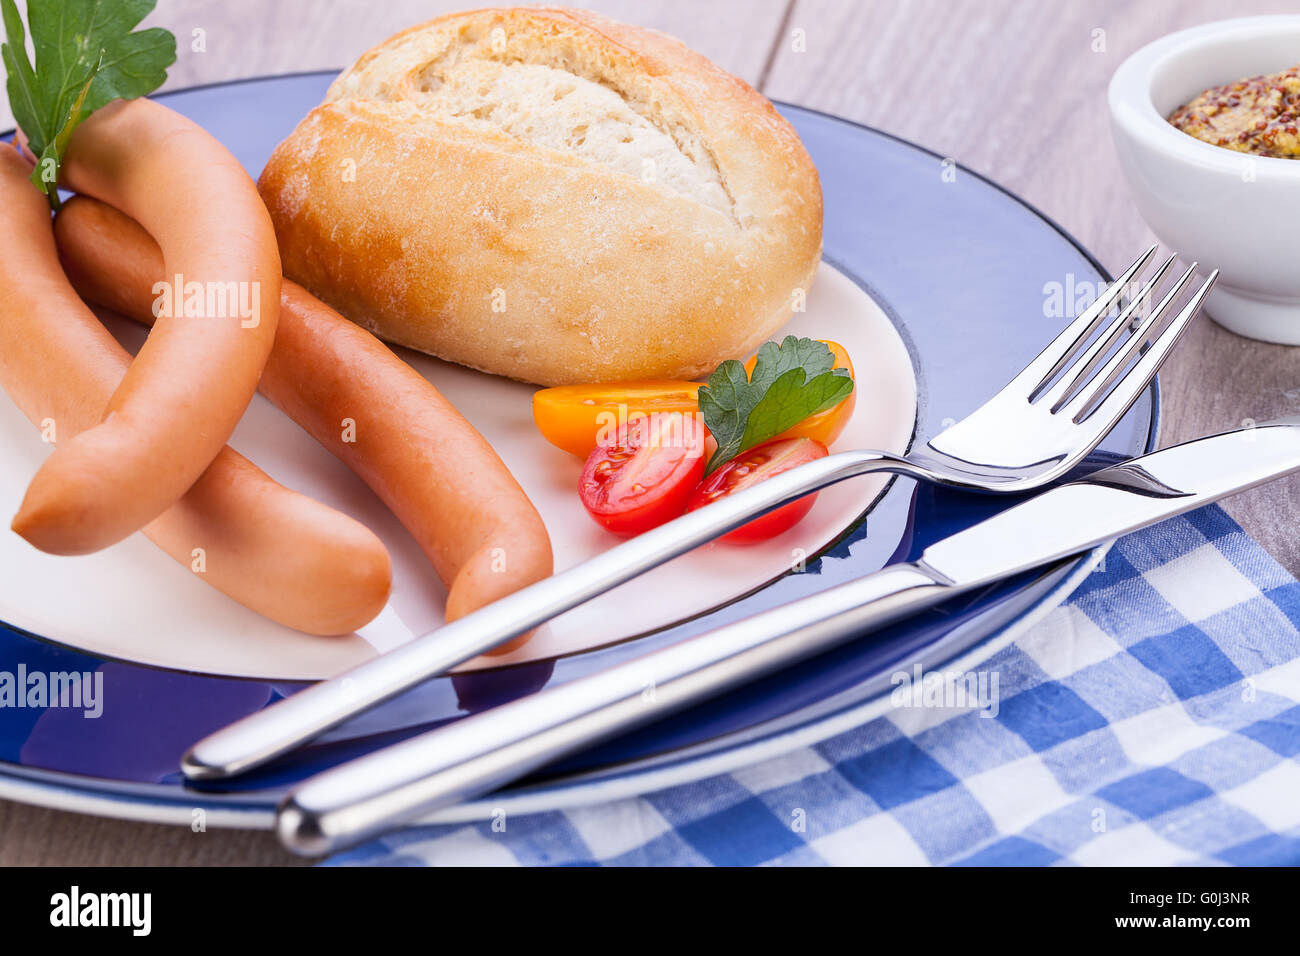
{"x": 1014, "y": 89}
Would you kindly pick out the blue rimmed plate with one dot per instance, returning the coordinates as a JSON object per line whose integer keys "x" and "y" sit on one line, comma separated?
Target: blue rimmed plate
{"x": 973, "y": 281}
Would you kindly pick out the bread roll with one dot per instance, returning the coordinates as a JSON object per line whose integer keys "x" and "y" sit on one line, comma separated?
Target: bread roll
{"x": 549, "y": 195}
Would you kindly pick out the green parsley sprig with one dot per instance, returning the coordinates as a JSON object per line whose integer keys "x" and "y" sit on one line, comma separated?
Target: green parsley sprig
{"x": 87, "y": 55}
{"x": 791, "y": 381}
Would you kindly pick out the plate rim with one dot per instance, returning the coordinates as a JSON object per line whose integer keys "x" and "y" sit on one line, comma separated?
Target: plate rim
{"x": 167, "y": 804}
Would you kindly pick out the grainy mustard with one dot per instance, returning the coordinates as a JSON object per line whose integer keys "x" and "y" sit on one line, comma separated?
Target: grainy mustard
{"x": 1258, "y": 115}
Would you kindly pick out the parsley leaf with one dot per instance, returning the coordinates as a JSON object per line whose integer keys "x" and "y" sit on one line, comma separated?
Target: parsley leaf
{"x": 86, "y": 57}
{"x": 790, "y": 382}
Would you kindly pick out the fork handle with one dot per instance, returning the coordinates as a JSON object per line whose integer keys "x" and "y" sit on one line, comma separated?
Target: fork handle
{"x": 477, "y": 754}
{"x": 275, "y": 730}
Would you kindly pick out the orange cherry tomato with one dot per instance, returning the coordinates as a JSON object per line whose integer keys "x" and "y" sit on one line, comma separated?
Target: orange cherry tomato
{"x": 826, "y": 425}
{"x": 578, "y": 418}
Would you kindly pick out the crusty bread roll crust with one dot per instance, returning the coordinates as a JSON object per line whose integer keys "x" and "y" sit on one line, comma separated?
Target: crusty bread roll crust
{"x": 549, "y": 195}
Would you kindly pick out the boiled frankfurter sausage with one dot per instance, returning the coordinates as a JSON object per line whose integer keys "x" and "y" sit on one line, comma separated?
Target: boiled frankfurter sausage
{"x": 276, "y": 551}
{"x": 187, "y": 388}
{"x": 347, "y": 389}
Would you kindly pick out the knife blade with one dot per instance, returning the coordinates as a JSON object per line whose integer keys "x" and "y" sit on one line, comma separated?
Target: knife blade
{"x": 479, "y": 753}
{"x": 1114, "y": 501}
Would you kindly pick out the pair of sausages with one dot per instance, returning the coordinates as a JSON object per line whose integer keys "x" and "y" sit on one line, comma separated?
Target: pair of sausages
{"x": 274, "y": 550}
{"x": 142, "y": 443}
{"x": 366, "y": 406}
{"x": 182, "y": 395}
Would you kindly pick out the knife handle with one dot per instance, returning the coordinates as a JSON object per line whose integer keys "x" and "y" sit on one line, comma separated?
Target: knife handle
{"x": 480, "y": 753}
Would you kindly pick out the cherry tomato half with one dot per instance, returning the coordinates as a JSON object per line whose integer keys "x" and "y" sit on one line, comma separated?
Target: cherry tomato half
{"x": 577, "y": 418}
{"x": 749, "y": 468}
{"x": 646, "y": 477}
{"x": 827, "y": 424}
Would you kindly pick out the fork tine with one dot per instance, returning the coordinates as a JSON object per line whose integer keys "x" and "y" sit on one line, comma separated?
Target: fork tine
{"x": 1118, "y": 362}
{"x": 1060, "y": 393}
{"x": 1062, "y": 349}
{"x": 1114, "y": 402}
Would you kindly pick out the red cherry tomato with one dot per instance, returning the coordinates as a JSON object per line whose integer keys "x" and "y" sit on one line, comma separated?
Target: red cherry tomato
{"x": 751, "y": 467}
{"x": 646, "y": 477}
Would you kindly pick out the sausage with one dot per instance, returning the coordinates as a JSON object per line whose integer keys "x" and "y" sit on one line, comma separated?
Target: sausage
{"x": 274, "y": 550}
{"x": 187, "y": 388}
{"x": 436, "y": 473}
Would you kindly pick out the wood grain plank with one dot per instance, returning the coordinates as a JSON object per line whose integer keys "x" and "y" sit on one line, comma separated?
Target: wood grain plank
{"x": 35, "y": 836}
{"x": 255, "y": 38}
{"x": 1015, "y": 89}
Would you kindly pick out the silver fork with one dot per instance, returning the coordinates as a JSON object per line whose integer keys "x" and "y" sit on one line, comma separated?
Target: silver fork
{"x": 1030, "y": 433}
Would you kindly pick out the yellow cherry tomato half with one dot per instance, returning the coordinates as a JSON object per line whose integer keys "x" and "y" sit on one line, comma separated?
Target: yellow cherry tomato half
{"x": 826, "y": 425}
{"x": 578, "y": 418}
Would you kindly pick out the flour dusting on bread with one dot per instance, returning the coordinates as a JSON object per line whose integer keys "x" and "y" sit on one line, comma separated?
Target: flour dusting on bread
{"x": 550, "y": 91}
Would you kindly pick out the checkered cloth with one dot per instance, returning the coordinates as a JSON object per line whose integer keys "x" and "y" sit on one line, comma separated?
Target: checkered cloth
{"x": 1154, "y": 719}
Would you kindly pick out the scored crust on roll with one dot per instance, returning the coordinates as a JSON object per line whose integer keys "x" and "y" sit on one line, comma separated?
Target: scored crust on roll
{"x": 549, "y": 195}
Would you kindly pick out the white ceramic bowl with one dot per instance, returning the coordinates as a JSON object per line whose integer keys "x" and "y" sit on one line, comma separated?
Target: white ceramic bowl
{"x": 1227, "y": 210}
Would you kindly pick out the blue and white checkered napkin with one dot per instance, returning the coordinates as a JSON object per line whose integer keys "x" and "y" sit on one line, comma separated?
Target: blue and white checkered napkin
{"x": 1154, "y": 719}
